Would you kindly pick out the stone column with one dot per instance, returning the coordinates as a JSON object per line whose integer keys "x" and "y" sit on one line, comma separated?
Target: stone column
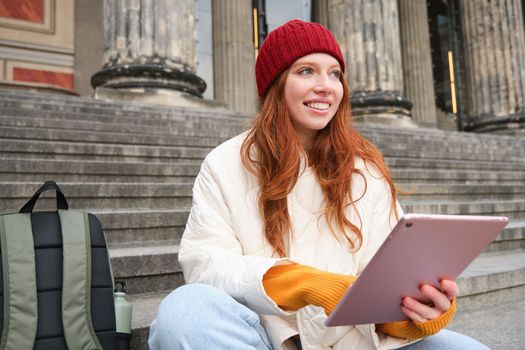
{"x": 368, "y": 31}
{"x": 494, "y": 49}
{"x": 149, "y": 49}
{"x": 417, "y": 61}
{"x": 233, "y": 55}
{"x": 320, "y": 12}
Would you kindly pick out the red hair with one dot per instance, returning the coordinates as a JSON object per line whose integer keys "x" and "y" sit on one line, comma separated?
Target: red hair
{"x": 272, "y": 151}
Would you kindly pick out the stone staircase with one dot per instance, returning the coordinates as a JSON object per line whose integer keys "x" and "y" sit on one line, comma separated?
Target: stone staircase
{"x": 133, "y": 166}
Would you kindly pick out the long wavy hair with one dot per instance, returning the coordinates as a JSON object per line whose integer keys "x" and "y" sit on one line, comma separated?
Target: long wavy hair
{"x": 272, "y": 151}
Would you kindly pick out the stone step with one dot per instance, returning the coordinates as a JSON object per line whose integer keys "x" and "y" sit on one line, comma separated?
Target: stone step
{"x": 462, "y": 149}
{"x": 149, "y": 226}
{"x": 73, "y": 105}
{"x": 498, "y": 327}
{"x": 512, "y": 237}
{"x": 165, "y": 201}
{"x": 90, "y": 125}
{"x": 449, "y": 154}
{"x": 63, "y": 103}
{"x": 137, "y": 139}
{"x": 151, "y": 257}
{"x": 437, "y": 137}
{"x": 44, "y": 149}
{"x": 170, "y": 194}
{"x": 490, "y": 280}
{"x": 390, "y": 146}
{"x": 445, "y": 136}
{"x": 152, "y": 265}
{"x": 64, "y": 120}
{"x": 178, "y": 194}
{"x": 144, "y": 225}
{"x": 393, "y": 146}
{"x": 404, "y": 177}
{"x": 138, "y": 227}
{"x": 464, "y": 191}
{"x": 145, "y": 308}
{"x": 430, "y": 142}
{"x": 141, "y": 226}
{"x": 36, "y": 170}
{"x": 514, "y": 208}
{"x": 141, "y": 136}
{"x": 70, "y": 150}
{"x": 147, "y": 269}
{"x": 153, "y": 268}
{"x": 226, "y": 129}
{"x": 40, "y": 170}
{"x": 81, "y": 104}
{"x": 399, "y": 162}
{"x": 52, "y": 149}
{"x": 102, "y": 195}
{"x": 172, "y": 117}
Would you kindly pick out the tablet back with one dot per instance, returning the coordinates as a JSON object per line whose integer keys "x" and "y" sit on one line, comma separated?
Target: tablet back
{"x": 422, "y": 248}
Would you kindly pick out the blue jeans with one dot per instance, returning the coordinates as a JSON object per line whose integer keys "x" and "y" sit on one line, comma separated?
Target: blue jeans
{"x": 447, "y": 340}
{"x": 200, "y": 317}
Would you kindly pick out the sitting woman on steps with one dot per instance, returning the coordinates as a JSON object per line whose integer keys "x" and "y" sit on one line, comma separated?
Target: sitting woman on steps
{"x": 286, "y": 215}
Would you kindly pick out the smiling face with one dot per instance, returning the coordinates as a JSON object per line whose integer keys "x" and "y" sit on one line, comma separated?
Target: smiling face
{"x": 312, "y": 93}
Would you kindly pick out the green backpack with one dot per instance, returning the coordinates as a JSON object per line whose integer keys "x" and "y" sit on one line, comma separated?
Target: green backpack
{"x": 57, "y": 285}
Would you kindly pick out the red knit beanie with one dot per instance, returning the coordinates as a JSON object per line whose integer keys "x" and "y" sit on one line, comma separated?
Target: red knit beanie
{"x": 289, "y": 42}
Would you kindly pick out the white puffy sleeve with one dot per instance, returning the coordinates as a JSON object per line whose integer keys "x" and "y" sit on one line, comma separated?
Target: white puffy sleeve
{"x": 211, "y": 253}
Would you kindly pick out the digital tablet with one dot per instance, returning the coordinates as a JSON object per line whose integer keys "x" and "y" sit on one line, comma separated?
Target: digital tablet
{"x": 421, "y": 249}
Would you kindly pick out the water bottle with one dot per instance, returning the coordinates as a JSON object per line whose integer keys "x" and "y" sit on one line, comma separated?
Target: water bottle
{"x": 123, "y": 310}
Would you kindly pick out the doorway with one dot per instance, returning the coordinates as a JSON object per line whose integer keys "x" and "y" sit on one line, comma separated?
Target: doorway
{"x": 445, "y": 43}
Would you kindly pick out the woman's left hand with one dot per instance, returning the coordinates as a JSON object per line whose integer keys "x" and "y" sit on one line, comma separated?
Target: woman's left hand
{"x": 440, "y": 302}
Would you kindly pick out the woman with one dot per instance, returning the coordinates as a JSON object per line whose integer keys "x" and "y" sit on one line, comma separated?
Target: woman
{"x": 286, "y": 216}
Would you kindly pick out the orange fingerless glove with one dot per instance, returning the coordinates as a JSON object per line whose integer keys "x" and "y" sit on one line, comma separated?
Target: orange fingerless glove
{"x": 415, "y": 330}
{"x": 294, "y": 286}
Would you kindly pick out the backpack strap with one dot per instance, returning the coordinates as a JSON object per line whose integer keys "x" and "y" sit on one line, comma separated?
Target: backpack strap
{"x": 20, "y": 293}
{"x": 76, "y": 291}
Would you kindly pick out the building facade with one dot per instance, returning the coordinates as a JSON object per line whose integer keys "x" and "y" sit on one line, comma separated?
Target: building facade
{"x": 434, "y": 63}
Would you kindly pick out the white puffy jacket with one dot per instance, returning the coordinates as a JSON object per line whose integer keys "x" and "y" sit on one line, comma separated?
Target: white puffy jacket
{"x": 224, "y": 245}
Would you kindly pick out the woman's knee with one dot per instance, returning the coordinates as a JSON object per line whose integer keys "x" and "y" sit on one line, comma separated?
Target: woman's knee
{"x": 187, "y": 304}
{"x": 192, "y": 314}
{"x": 188, "y": 292}
{"x": 182, "y": 313}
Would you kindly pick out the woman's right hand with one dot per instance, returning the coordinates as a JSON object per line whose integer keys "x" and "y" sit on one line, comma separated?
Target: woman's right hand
{"x": 440, "y": 302}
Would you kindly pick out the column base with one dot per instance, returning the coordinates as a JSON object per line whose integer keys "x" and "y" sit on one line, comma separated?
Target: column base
{"x": 149, "y": 75}
{"x": 382, "y": 107}
{"x": 165, "y": 97}
{"x": 512, "y": 124}
{"x": 398, "y": 121}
